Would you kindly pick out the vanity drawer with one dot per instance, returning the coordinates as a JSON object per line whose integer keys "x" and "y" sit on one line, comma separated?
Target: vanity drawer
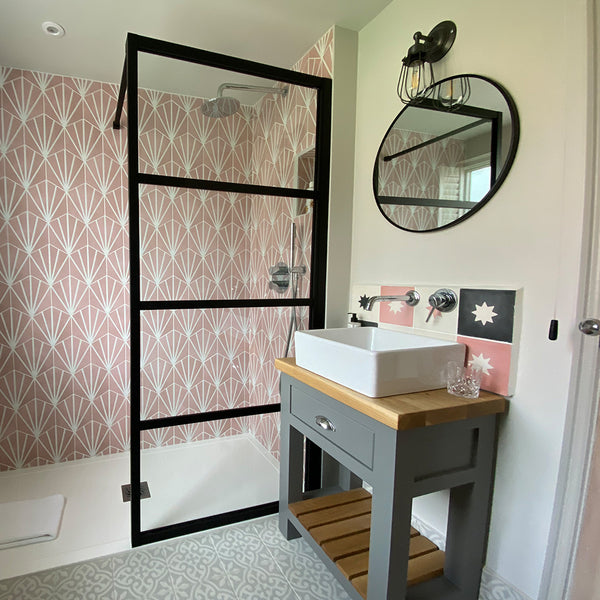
{"x": 346, "y": 433}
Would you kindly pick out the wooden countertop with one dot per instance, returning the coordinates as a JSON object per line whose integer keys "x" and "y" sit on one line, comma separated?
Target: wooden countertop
{"x": 405, "y": 411}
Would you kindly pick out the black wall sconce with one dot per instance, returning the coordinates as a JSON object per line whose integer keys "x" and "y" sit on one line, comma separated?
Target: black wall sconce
{"x": 416, "y": 75}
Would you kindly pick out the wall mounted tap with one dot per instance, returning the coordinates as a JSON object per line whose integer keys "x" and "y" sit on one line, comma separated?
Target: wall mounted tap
{"x": 444, "y": 300}
{"x": 411, "y": 298}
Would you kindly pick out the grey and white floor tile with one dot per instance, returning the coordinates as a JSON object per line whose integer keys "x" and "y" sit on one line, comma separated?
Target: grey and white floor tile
{"x": 142, "y": 574}
{"x": 38, "y": 586}
{"x": 92, "y": 580}
{"x": 246, "y": 561}
{"x": 305, "y": 572}
{"x": 249, "y": 565}
{"x": 196, "y": 570}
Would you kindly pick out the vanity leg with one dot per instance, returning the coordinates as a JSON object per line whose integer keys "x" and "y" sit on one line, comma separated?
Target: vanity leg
{"x": 388, "y": 554}
{"x": 390, "y": 521}
{"x": 290, "y": 480}
{"x": 468, "y": 518}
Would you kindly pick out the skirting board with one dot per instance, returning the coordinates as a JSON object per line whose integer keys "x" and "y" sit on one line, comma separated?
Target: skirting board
{"x": 492, "y": 585}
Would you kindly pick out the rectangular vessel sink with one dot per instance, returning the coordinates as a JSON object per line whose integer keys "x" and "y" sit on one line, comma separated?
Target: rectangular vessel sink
{"x": 377, "y": 362}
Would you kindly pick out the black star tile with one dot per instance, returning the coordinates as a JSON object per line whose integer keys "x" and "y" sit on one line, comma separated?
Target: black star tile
{"x": 501, "y": 327}
{"x": 364, "y": 300}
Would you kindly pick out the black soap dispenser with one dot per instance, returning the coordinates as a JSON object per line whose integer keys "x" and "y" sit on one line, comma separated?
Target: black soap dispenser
{"x": 353, "y": 321}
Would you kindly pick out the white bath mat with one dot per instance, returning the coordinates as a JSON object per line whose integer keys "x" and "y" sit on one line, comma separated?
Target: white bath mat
{"x": 30, "y": 521}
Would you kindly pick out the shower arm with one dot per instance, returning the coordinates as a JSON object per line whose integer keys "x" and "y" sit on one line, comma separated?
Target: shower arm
{"x": 250, "y": 88}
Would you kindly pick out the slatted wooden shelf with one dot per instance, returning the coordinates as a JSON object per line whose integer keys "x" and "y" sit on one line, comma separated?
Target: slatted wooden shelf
{"x": 340, "y": 524}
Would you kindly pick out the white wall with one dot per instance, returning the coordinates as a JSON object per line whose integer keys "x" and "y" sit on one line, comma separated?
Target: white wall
{"x": 528, "y": 236}
{"x": 343, "y": 117}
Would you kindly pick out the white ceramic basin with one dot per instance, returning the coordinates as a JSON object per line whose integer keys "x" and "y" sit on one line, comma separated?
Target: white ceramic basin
{"x": 377, "y": 362}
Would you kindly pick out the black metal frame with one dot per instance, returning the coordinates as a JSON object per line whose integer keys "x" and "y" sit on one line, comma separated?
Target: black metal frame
{"x": 497, "y": 176}
{"x": 434, "y": 202}
{"x": 316, "y": 301}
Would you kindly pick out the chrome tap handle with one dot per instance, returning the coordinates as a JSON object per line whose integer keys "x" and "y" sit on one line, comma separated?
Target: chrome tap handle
{"x": 444, "y": 300}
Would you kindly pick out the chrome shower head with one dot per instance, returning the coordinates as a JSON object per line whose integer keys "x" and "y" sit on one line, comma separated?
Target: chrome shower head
{"x": 219, "y": 107}
{"x": 225, "y": 106}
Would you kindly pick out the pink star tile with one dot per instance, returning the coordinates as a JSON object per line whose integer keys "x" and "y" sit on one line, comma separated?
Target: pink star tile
{"x": 493, "y": 358}
{"x": 397, "y": 312}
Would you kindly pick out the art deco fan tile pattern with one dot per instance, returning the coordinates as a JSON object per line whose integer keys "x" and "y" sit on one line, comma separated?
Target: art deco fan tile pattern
{"x": 64, "y": 262}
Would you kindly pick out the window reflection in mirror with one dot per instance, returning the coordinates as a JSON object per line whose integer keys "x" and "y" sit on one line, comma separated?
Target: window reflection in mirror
{"x": 435, "y": 167}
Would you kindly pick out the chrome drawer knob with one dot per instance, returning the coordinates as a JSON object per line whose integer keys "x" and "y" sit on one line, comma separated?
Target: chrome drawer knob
{"x": 324, "y": 422}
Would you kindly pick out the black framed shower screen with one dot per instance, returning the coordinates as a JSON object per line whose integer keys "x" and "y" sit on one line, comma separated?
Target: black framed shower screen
{"x": 139, "y": 307}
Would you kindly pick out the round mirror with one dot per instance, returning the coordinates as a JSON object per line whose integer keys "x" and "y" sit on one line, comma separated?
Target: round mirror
{"x": 442, "y": 160}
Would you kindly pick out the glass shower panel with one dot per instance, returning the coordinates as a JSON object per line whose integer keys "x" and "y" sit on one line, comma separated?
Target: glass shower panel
{"x": 194, "y": 361}
{"x": 202, "y": 122}
{"x": 207, "y": 245}
{"x": 222, "y": 223}
{"x": 202, "y": 361}
{"x": 206, "y": 469}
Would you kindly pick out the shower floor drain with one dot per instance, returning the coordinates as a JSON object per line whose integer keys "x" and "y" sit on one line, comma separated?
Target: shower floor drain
{"x": 144, "y": 491}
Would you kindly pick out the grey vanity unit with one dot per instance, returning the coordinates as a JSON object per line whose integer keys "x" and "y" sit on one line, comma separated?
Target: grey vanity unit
{"x": 403, "y": 447}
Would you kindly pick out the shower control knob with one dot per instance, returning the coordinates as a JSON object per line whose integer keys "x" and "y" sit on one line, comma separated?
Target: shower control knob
{"x": 444, "y": 300}
{"x": 590, "y": 327}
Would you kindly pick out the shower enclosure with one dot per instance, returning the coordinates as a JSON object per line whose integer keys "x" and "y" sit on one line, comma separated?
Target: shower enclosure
{"x": 228, "y": 235}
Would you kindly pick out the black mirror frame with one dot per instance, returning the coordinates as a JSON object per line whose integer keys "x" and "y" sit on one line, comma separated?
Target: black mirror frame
{"x": 510, "y": 157}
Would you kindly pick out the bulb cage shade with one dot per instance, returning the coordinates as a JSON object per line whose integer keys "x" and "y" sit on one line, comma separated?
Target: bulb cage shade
{"x": 416, "y": 75}
{"x": 452, "y": 94}
{"x": 414, "y": 82}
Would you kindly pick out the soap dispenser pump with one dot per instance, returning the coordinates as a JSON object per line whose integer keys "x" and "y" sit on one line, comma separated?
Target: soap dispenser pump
{"x": 353, "y": 321}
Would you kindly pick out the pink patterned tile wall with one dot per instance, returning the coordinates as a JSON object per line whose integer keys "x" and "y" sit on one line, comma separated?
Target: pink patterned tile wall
{"x": 284, "y": 130}
{"x": 194, "y": 244}
{"x": 64, "y": 266}
{"x": 194, "y": 361}
{"x": 64, "y": 380}
{"x": 177, "y": 139}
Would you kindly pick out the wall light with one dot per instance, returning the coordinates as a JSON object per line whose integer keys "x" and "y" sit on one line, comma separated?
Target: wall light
{"x": 416, "y": 75}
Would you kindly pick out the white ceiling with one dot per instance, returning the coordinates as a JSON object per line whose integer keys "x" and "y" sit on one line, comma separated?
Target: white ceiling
{"x": 276, "y": 32}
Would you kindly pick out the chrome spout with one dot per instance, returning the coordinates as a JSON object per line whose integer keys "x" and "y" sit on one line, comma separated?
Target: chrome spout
{"x": 411, "y": 298}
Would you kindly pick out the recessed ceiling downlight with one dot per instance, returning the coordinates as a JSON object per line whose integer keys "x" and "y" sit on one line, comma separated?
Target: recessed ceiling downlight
{"x": 53, "y": 29}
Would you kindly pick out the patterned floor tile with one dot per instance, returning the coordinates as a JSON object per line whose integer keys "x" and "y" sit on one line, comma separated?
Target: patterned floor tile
{"x": 38, "y": 586}
{"x": 305, "y": 572}
{"x": 250, "y": 566}
{"x": 196, "y": 570}
{"x": 142, "y": 574}
{"x": 91, "y": 580}
{"x": 246, "y": 561}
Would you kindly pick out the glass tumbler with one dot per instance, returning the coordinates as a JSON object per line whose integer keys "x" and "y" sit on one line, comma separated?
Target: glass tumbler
{"x": 463, "y": 381}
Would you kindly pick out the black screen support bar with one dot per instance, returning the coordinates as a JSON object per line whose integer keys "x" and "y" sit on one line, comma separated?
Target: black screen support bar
{"x": 121, "y": 97}
{"x": 437, "y": 138}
